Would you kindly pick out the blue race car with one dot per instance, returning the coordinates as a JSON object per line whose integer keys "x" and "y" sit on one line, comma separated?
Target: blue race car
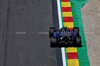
{"x": 64, "y": 37}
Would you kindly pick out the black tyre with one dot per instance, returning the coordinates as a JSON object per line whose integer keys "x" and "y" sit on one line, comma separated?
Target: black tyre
{"x": 78, "y": 41}
{"x": 51, "y": 31}
{"x": 53, "y": 41}
{"x": 52, "y": 27}
{"x": 76, "y": 30}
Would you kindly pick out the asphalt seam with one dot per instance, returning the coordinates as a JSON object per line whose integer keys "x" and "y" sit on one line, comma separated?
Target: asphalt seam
{"x": 6, "y": 31}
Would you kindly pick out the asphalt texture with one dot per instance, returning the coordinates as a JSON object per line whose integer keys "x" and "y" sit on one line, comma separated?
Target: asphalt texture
{"x": 56, "y": 24}
{"x": 22, "y": 21}
{"x": 23, "y": 37}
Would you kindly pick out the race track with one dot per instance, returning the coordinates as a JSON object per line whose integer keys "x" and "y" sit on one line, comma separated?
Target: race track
{"x": 21, "y": 41}
{"x": 21, "y": 25}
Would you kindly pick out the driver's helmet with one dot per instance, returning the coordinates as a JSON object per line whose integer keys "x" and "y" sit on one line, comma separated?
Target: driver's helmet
{"x": 62, "y": 31}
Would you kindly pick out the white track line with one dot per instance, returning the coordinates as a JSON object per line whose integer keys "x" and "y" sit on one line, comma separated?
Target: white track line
{"x": 60, "y": 26}
{"x": 59, "y": 14}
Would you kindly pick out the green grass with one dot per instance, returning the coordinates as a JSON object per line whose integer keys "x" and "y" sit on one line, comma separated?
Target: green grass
{"x": 77, "y": 19}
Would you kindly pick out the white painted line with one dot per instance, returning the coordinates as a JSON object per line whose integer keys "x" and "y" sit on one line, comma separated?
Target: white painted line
{"x": 60, "y": 26}
{"x": 59, "y": 14}
{"x": 63, "y": 56}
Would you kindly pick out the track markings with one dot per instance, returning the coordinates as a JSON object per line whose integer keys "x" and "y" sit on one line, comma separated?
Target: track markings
{"x": 67, "y": 14}
{"x": 65, "y": 4}
{"x": 71, "y": 52}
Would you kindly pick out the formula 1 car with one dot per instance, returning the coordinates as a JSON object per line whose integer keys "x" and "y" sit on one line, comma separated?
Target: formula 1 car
{"x": 64, "y": 37}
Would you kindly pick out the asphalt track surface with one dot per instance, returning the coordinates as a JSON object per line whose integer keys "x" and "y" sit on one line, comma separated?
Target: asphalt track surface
{"x": 30, "y": 48}
{"x": 21, "y": 22}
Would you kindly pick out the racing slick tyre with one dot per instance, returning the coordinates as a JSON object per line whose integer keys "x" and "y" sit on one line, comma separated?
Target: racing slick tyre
{"x": 53, "y": 41}
{"x": 51, "y": 31}
{"x": 78, "y": 41}
{"x": 76, "y": 30}
{"x": 52, "y": 27}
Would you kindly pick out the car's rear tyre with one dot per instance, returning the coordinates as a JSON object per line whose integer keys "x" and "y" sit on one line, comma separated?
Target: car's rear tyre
{"x": 51, "y": 31}
{"x": 78, "y": 41}
{"x": 76, "y": 30}
{"x": 53, "y": 41}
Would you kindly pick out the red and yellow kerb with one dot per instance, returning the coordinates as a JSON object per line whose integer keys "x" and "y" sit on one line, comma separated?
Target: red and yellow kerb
{"x": 71, "y": 52}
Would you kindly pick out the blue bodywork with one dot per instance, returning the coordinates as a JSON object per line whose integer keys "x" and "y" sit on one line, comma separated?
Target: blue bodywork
{"x": 68, "y": 32}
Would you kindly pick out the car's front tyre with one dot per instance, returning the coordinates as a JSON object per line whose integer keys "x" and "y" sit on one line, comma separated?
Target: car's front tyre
{"x": 76, "y": 30}
{"x": 51, "y": 31}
